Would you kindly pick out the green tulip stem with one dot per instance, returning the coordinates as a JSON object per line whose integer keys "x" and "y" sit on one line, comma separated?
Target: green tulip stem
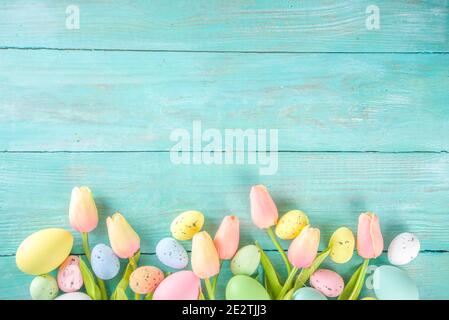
{"x": 134, "y": 266}
{"x": 209, "y": 289}
{"x": 215, "y": 279}
{"x": 133, "y": 263}
{"x": 149, "y": 296}
{"x": 86, "y": 248}
{"x": 279, "y": 248}
{"x": 288, "y": 283}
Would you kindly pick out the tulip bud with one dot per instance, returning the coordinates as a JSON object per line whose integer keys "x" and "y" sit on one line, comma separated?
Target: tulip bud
{"x": 227, "y": 237}
{"x": 370, "y": 242}
{"x": 83, "y": 213}
{"x": 124, "y": 240}
{"x": 263, "y": 209}
{"x": 304, "y": 248}
{"x": 205, "y": 261}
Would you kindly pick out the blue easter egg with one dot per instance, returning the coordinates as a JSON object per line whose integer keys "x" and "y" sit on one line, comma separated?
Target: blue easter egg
{"x": 105, "y": 264}
{"x": 391, "y": 283}
{"x": 171, "y": 253}
{"x": 308, "y": 294}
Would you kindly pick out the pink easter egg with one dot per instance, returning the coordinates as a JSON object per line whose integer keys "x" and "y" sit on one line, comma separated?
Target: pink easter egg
{"x": 327, "y": 282}
{"x": 145, "y": 279}
{"x": 69, "y": 275}
{"x": 181, "y": 285}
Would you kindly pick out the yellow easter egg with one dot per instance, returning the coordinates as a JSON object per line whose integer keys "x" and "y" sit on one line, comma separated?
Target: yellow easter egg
{"x": 368, "y": 298}
{"x": 44, "y": 251}
{"x": 291, "y": 224}
{"x": 186, "y": 225}
{"x": 342, "y": 245}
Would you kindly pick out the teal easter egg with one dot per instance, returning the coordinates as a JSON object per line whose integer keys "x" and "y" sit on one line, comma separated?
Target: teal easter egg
{"x": 246, "y": 260}
{"x": 391, "y": 283}
{"x": 308, "y": 294}
{"x": 105, "y": 264}
{"x": 44, "y": 287}
{"x": 242, "y": 287}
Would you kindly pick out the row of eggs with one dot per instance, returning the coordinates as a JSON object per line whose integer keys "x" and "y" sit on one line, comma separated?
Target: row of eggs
{"x": 45, "y": 250}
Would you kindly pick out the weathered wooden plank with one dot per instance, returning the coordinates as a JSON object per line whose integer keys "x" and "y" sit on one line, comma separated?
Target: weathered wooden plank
{"x": 61, "y": 100}
{"x": 301, "y": 26}
{"x": 408, "y": 191}
{"x": 429, "y": 271}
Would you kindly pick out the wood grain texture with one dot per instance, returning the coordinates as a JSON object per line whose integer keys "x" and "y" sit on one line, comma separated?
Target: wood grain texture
{"x": 59, "y": 100}
{"x": 410, "y": 192}
{"x": 430, "y": 281}
{"x": 95, "y": 107}
{"x": 300, "y": 26}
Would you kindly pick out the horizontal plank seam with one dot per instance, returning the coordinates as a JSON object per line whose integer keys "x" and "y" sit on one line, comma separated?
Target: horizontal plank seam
{"x": 265, "y": 250}
{"x": 223, "y": 151}
{"x": 221, "y": 51}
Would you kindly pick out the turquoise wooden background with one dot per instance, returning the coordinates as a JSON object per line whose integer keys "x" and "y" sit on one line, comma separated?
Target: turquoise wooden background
{"x": 363, "y": 117}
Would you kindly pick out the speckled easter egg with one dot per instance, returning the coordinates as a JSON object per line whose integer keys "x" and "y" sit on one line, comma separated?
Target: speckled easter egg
{"x": 186, "y": 225}
{"x": 403, "y": 249}
{"x": 74, "y": 296}
{"x": 70, "y": 278}
{"x": 145, "y": 279}
{"x": 181, "y": 285}
{"x": 243, "y": 287}
{"x": 342, "y": 245}
{"x": 246, "y": 260}
{"x": 391, "y": 283}
{"x": 328, "y": 282}
{"x": 308, "y": 294}
{"x": 171, "y": 253}
{"x": 290, "y": 224}
{"x": 44, "y": 251}
{"x": 105, "y": 264}
{"x": 44, "y": 287}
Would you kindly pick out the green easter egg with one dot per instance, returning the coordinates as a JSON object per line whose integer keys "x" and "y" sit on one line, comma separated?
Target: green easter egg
{"x": 242, "y": 287}
{"x": 44, "y": 287}
{"x": 246, "y": 260}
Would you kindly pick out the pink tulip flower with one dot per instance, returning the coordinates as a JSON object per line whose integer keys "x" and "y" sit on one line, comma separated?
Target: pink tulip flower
{"x": 370, "y": 242}
{"x": 227, "y": 237}
{"x": 304, "y": 248}
{"x": 264, "y": 212}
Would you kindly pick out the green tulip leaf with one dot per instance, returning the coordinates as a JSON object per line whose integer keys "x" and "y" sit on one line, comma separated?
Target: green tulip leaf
{"x": 120, "y": 294}
{"x": 305, "y": 274}
{"x": 123, "y": 284}
{"x": 92, "y": 288}
{"x": 355, "y": 284}
{"x": 273, "y": 283}
{"x": 149, "y": 296}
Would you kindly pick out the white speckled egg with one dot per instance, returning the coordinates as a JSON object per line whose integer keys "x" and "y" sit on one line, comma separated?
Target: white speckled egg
{"x": 246, "y": 260}
{"x": 403, "y": 249}
{"x": 391, "y": 283}
{"x": 105, "y": 264}
{"x": 74, "y": 296}
{"x": 186, "y": 225}
{"x": 171, "y": 253}
{"x": 44, "y": 287}
{"x": 70, "y": 278}
{"x": 328, "y": 282}
{"x": 308, "y": 294}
